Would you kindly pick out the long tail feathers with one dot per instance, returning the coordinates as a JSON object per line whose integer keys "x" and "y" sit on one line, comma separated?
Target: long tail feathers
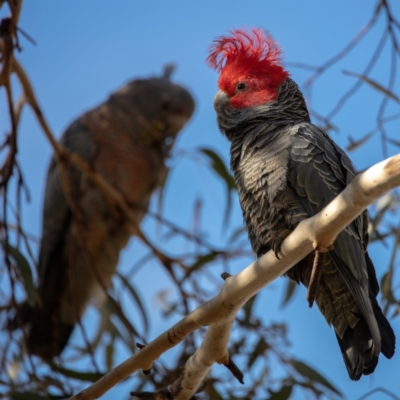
{"x": 388, "y": 339}
{"x": 359, "y": 349}
{"x": 48, "y": 340}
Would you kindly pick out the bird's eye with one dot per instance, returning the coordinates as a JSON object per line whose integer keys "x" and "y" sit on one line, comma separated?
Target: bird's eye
{"x": 240, "y": 86}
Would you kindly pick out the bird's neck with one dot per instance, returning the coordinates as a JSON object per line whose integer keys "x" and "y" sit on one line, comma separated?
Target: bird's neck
{"x": 268, "y": 122}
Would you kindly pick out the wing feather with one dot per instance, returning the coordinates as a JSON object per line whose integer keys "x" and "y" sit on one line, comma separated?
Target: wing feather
{"x": 322, "y": 172}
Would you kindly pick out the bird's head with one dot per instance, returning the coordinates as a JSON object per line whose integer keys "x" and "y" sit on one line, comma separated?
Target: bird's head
{"x": 157, "y": 107}
{"x": 249, "y": 66}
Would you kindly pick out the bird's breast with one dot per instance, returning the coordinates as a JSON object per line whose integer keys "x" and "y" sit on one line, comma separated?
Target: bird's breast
{"x": 263, "y": 167}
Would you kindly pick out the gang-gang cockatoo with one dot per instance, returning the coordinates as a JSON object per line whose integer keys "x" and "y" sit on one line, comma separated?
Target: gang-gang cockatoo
{"x": 126, "y": 140}
{"x": 287, "y": 169}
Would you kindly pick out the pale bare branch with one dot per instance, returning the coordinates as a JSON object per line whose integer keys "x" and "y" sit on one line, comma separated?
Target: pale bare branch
{"x": 219, "y": 312}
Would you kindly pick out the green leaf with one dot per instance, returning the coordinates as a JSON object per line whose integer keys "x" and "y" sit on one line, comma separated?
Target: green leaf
{"x": 137, "y": 300}
{"x": 396, "y": 312}
{"x": 247, "y": 308}
{"x": 109, "y": 355}
{"x": 377, "y": 86}
{"x": 283, "y": 394}
{"x": 205, "y": 259}
{"x": 119, "y": 333}
{"x": 82, "y": 376}
{"x": 116, "y": 310}
{"x": 315, "y": 376}
{"x": 219, "y": 167}
{"x": 291, "y": 287}
{"x": 259, "y": 349}
{"x": 26, "y": 273}
{"x": 202, "y": 260}
{"x": 212, "y": 392}
{"x": 103, "y": 327}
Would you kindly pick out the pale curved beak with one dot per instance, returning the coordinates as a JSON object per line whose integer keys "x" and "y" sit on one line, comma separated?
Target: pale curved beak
{"x": 221, "y": 100}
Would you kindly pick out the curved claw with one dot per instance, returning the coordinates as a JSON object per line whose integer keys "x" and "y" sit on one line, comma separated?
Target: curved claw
{"x": 276, "y": 239}
{"x": 276, "y": 250}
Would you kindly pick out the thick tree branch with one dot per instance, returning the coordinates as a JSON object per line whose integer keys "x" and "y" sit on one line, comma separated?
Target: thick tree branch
{"x": 219, "y": 312}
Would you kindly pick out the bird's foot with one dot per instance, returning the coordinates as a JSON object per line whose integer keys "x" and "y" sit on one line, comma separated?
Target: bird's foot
{"x": 316, "y": 272}
{"x": 276, "y": 238}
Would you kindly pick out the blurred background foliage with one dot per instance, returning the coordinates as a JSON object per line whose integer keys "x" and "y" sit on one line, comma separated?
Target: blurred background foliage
{"x": 185, "y": 270}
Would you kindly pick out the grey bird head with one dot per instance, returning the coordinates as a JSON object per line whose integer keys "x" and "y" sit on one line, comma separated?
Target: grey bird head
{"x": 162, "y": 107}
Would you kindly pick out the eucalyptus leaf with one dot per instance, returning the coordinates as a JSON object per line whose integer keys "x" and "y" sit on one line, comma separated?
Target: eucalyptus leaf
{"x": 313, "y": 375}
{"x": 137, "y": 300}
{"x": 219, "y": 167}
{"x": 282, "y": 394}
{"x": 82, "y": 376}
{"x": 202, "y": 260}
{"x": 259, "y": 350}
{"x": 26, "y": 273}
{"x": 291, "y": 287}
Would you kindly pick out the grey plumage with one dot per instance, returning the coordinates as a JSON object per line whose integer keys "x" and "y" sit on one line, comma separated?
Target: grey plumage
{"x": 287, "y": 169}
{"x": 126, "y": 140}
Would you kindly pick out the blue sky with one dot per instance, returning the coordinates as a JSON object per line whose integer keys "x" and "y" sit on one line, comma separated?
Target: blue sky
{"x": 85, "y": 50}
